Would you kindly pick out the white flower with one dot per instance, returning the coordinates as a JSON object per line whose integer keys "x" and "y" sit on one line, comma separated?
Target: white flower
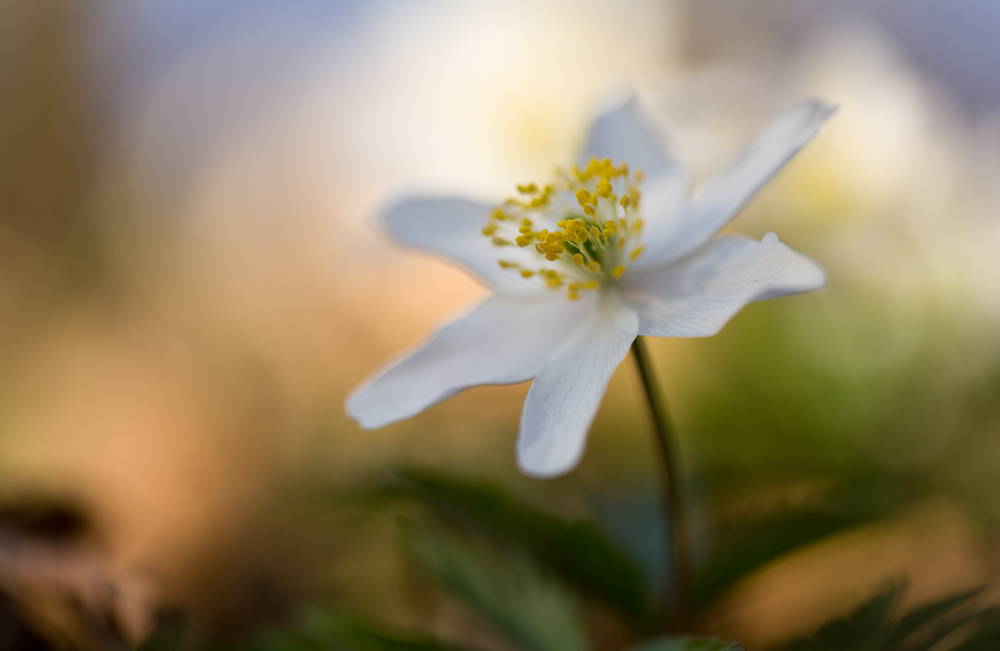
{"x": 579, "y": 267}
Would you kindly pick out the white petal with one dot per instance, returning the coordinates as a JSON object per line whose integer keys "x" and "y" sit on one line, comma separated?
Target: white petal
{"x": 725, "y": 193}
{"x": 565, "y": 395}
{"x": 453, "y": 228}
{"x": 502, "y": 340}
{"x": 626, "y": 135}
{"x": 698, "y": 295}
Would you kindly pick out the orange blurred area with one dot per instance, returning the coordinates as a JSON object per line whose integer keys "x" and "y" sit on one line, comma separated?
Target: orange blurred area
{"x": 192, "y": 278}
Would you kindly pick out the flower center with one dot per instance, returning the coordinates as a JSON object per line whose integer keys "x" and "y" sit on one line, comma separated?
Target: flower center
{"x": 584, "y": 223}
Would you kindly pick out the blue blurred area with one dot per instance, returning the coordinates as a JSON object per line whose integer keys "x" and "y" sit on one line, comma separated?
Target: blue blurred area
{"x": 163, "y": 29}
{"x": 958, "y": 43}
{"x": 955, "y": 43}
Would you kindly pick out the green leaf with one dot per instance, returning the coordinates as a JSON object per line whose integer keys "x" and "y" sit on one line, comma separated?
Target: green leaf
{"x": 672, "y": 643}
{"x": 870, "y": 627}
{"x": 575, "y": 551}
{"x": 866, "y": 629}
{"x": 920, "y": 617}
{"x": 747, "y": 546}
{"x": 927, "y": 624}
{"x": 321, "y": 630}
{"x": 336, "y": 631}
{"x": 532, "y": 611}
{"x": 168, "y": 635}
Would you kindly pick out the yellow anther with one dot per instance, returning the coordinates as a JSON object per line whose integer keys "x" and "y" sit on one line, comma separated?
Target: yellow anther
{"x": 639, "y": 175}
{"x": 579, "y": 249}
{"x": 639, "y": 224}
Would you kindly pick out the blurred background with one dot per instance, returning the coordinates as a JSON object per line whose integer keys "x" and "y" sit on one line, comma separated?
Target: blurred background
{"x": 192, "y": 277}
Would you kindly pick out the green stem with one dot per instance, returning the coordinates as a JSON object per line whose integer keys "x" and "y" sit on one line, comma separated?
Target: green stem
{"x": 670, "y": 490}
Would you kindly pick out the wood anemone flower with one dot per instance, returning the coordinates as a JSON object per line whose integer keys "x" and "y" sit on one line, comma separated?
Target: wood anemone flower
{"x": 610, "y": 249}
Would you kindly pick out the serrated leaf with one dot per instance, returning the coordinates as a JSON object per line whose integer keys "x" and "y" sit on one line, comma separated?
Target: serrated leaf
{"x": 745, "y": 547}
{"x": 985, "y": 633}
{"x": 865, "y": 629}
{"x": 680, "y": 643}
{"x": 920, "y": 617}
{"x": 532, "y": 611}
{"x": 576, "y": 551}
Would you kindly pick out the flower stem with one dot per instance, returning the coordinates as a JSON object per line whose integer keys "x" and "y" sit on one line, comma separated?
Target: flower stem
{"x": 670, "y": 491}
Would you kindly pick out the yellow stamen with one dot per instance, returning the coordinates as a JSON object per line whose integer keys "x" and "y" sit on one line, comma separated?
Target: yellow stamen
{"x": 586, "y": 245}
